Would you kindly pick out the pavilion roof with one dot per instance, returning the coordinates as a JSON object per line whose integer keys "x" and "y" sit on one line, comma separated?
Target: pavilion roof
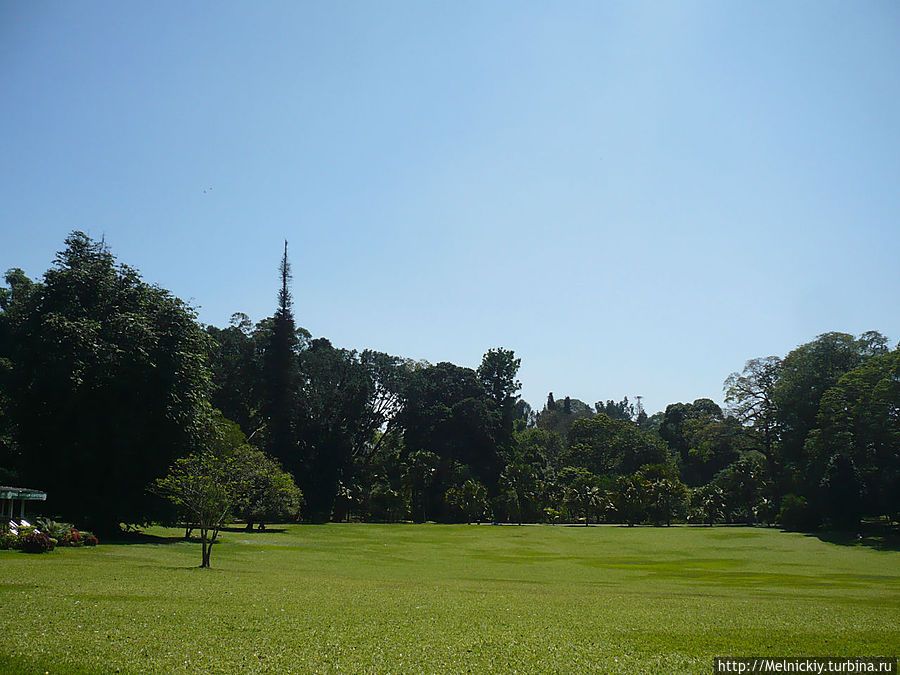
{"x": 8, "y": 492}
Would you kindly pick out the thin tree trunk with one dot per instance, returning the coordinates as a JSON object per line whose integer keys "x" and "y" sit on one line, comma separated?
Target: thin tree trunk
{"x": 206, "y": 547}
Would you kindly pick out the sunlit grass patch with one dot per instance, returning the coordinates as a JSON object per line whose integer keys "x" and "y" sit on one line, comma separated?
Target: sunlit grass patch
{"x": 432, "y": 598}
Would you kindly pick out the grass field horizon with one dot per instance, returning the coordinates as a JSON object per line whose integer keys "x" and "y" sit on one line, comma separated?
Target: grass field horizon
{"x": 348, "y": 598}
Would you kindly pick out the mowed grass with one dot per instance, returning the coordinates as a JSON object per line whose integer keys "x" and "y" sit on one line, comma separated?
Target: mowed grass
{"x": 345, "y": 598}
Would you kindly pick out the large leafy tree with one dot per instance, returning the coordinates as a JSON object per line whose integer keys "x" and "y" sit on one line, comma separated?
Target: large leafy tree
{"x": 542, "y": 448}
{"x": 107, "y": 383}
{"x": 752, "y": 398}
{"x": 559, "y": 417}
{"x": 497, "y": 375}
{"x": 447, "y": 412}
{"x": 702, "y": 437}
{"x": 805, "y": 375}
{"x": 265, "y": 492}
{"x": 854, "y": 454}
{"x": 606, "y": 446}
{"x": 334, "y": 419}
{"x": 10, "y": 458}
{"x": 236, "y": 364}
{"x": 389, "y": 377}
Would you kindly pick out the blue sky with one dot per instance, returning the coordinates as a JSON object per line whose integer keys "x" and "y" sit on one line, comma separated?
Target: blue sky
{"x": 635, "y": 197}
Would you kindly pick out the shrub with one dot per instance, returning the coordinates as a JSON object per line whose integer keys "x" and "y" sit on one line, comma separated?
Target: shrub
{"x": 90, "y": 539}
{"x": 35, "y": 542}
{"x": 8, "y": 541}
{"x": 72, "y": 538}
{"x": 796, "y": 515}
{"x": 53, "y": 529}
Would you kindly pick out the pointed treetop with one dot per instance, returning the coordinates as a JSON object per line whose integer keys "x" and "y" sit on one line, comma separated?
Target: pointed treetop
{"x": 284, "y": 294}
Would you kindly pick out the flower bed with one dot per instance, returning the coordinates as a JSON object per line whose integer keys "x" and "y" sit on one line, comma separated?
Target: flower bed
{"x": 43, "y": 538}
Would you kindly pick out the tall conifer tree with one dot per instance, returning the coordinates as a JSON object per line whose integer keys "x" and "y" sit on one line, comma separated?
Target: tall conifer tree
{"x": 281, "y": 375}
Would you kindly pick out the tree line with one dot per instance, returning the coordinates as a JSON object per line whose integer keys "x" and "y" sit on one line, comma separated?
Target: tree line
{"x": 110, "y": 388}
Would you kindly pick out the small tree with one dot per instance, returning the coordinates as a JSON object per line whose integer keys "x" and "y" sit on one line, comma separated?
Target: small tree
{"x": 519, "y": 488}
{"x": 665, "y": 495}
{"x": 628, "y": 497}
{"x": 419, "y": 472}
{"x": 264, "y": 491}
{"x": 205, "y": 487}
{"x": 582, "y": 496}
{"x": 470, "y": 499}
{"x": 708, "y": 504}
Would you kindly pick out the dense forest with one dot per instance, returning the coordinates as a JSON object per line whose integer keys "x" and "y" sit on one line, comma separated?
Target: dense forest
{"x": 106, "y": 382}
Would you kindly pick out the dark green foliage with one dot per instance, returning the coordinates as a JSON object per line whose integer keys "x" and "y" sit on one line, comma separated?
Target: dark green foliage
{"x": 855, "y": 452}
{"x": 236, "y": 363}
{"x": 623, "y": 410}
{"x": 751, "y": 395}
{"x": 385, "y": 504}
{"x": 629, "y": 499}
{"x": 665, "y": 496}
{"x": 682, "y": 426}
{"x": 523, "y": 415}
{"x": 447, "y": 412}
{"x": 582, "y": 497}
{"x": 806, "y": 374}
{"x": 713, "y": 444}
{"x": 497, "y": 375}
{"x": 542, "y": 448}
{"x": 518, "y": 499}
{"x": 107, "y": 383}
{"x": 281, "y": 402}
{"x": 822, "y": 419}
{"x": 420, "y": 471}
{"x": 265, "y": 492}
{"x": 105, "y": 380}
{"x": 607, "y": 446}
{"x": 745, "y": 490}
{"x": 843, "y": 493}
{"x": 796, "y": 515}
{"x": 336, "y": 420}
{"x": 469, "y": 500}
{"x": 707, "y": 504}
{"x": 560, "y": 418}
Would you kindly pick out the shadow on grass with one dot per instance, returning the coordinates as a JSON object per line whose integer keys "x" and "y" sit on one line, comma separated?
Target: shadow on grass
{"x": 140, "y": 537}
{"x": 183, "y": 568}
{"x": 881, "y": 537}
{"x": 20, "y": 665}
{"x": 127, "y": 538}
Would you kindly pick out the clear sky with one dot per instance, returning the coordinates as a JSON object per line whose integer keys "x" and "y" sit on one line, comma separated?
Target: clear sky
{"x": 636, "y": 198}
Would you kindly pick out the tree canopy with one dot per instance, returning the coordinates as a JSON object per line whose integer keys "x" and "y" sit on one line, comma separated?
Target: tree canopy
{"x": 109, "y": 384}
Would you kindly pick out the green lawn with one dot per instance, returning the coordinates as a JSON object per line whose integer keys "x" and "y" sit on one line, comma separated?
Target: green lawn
{"x": 435, "y": 598}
